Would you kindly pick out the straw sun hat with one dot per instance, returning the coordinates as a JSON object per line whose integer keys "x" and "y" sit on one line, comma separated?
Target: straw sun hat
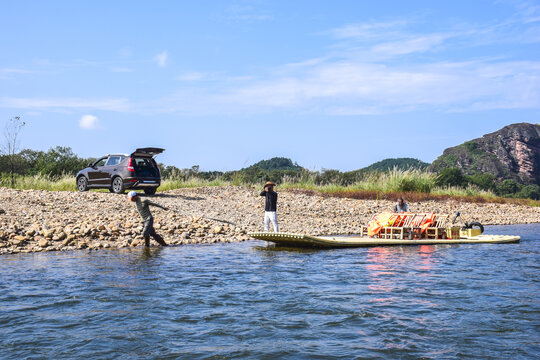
{"x": 269, "y": 183}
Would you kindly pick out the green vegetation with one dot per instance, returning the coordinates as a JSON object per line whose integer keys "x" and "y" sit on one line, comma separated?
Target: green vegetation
{"x": 277, "y": 163}
{"x": 55, "y": 163}
{"x": 397, "y": 163}
{"x": 452, "y": 177}
{"x": 55, "y": 170}
{"x": 39, "y": 182}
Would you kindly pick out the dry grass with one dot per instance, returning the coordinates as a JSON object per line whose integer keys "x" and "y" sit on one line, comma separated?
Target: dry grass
{"x": 413, "y": 185}
{"x": 416, "y": 196}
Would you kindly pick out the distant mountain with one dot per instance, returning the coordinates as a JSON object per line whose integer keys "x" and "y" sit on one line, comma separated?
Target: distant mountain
{"x": 276, "y": 163}
{"x": 510, "y": 153}
{"x": 399, "y": 163}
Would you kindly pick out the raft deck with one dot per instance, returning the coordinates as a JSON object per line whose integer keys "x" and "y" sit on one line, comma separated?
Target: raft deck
{"x": 303, "y": 240}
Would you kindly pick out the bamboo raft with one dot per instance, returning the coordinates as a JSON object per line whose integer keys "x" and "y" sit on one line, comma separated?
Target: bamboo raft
{"x": 405, "y": 229}
{"x": 303, "y": 240}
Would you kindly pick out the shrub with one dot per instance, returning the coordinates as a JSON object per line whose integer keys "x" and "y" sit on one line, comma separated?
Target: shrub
{"x": 530, "y": 192}
{"x": 483, "y": 181}
{"x": 507, "y": 188}
{"x": 450, "y": 177}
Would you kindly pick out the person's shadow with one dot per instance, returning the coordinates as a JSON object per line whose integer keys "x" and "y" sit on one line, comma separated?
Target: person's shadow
{"x": 161, "y": 195}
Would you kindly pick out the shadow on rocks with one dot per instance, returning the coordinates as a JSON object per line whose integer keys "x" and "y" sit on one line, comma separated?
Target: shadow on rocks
{"x": 161, "y": 195}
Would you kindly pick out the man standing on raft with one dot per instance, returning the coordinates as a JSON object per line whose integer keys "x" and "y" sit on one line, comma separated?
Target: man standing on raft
{"x": 143, "y": 207}
{"x": 270, "y": 214}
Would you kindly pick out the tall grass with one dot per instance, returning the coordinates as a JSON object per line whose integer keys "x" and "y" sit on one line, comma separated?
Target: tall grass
{"x": 391, "y": 181}
{"x": 414, "y": 185}
{"x": 176, "y": 183}
{"x": 41, "y": 182}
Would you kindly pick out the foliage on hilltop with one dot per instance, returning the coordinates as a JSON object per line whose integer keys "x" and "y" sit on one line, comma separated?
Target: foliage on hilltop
{"x": 397, "y": 163}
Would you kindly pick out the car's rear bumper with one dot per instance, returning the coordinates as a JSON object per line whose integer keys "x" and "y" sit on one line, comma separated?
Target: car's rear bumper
{"x": 137, "y": 184}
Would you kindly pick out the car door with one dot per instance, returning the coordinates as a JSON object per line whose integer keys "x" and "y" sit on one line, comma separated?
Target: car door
{"x": 109, "y": 170}
{"x": 94, "y": 173}
{"x": 149, "y": 151}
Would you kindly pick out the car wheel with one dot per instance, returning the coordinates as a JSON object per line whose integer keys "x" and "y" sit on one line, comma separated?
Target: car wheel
{"x": 82, "y": 183}
{"x": 118, "y": 185}
{"x": 111, "y": 190}
{"x": 150, "y": 191}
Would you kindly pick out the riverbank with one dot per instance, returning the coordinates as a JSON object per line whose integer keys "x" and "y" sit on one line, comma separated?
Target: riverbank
{"x": 35, "y": 220}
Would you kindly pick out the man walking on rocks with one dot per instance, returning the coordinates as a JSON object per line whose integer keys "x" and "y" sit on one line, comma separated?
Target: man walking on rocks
{"x": 143, "y": 207}
{"x": 270, "y": 214}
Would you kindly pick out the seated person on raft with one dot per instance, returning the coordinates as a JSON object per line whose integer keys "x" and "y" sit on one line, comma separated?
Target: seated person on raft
{"x": 401, "y": 206}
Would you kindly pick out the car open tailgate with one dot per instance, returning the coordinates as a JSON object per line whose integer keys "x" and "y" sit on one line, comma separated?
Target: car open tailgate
{"x": 149, "y": 151}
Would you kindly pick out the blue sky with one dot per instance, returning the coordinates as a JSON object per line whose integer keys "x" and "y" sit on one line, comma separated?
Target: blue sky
{"x": 223, "y": 84}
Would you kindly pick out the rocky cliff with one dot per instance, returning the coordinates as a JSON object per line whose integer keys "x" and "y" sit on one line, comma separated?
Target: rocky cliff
{"x": 510, "y": 153}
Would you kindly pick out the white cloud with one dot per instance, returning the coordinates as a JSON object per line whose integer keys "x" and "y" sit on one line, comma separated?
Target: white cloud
{"x": 368, "y": 31}
{"x": 192, "y": 76}
{"x": 7, "y": 72}
{"x": 89, "y": 122}
{"x": 352, "y": 87}
{"x": 161, "y": 59}
{"x": 114, "y": 104}
{"x": 415, "y": 44}
{"x": 371, "y": 68}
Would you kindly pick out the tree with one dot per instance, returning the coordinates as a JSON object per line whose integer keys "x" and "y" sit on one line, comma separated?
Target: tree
{"x": 530, "y": 192}
{"x": 59, "y": 161}
{"x": 11, "y": 144}
{"x": 483, "y": 181}
{"x": 507, "y": 188}
{"x": 450, "y": 177}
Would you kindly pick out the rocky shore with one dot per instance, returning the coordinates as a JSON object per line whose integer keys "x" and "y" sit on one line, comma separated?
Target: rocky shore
{"x": 33, "y": 220}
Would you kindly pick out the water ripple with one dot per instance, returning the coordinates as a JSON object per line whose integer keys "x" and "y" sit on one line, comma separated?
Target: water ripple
{"x": 251, "y": 301}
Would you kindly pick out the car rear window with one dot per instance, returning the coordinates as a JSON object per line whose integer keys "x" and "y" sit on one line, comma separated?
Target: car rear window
{"x": 145, "y": 166}
{"x": 114, "y": 160}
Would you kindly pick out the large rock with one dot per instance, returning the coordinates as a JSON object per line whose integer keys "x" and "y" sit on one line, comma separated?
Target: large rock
{"x": 510, "y": 153}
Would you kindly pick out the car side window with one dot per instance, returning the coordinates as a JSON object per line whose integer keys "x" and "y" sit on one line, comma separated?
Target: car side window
{"x": 113, "y": 160}
{"x": 100, "y": 162}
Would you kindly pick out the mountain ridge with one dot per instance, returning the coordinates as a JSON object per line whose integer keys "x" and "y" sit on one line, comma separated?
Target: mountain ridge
{"x": 512, "y": 152}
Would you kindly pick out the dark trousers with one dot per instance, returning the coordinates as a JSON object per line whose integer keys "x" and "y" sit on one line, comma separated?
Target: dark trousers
{"x": 149, "y": 230}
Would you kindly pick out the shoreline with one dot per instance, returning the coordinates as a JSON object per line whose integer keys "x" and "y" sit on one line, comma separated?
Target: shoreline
{"x": 37, "y": 220}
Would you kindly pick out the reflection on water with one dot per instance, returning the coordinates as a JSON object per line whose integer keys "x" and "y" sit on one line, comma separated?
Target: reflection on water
{"x": 253, "y": 301}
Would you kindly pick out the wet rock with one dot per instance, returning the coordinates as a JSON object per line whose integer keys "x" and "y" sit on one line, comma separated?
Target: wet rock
{"x": 68, "y": 240}
{"x": 218, "y": 229}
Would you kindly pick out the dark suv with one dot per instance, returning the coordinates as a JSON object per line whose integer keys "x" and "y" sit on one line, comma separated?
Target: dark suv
{"x": 118, "y": 172}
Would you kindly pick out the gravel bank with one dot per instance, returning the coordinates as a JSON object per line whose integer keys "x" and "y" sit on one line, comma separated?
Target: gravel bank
{"x": 33, "y": 220}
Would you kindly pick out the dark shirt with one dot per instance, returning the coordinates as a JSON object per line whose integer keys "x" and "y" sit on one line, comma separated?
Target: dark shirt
{"x": 143, "y": 207}
{"x": 401, "y": 209}
{"x": 271, "y": 200}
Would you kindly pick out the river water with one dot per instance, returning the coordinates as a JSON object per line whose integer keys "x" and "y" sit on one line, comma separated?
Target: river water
{"x": 251, "y": 301}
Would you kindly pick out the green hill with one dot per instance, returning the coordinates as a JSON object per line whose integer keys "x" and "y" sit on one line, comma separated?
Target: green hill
{"x": 276, "y": 163}
{"x": 399, "y": 163}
